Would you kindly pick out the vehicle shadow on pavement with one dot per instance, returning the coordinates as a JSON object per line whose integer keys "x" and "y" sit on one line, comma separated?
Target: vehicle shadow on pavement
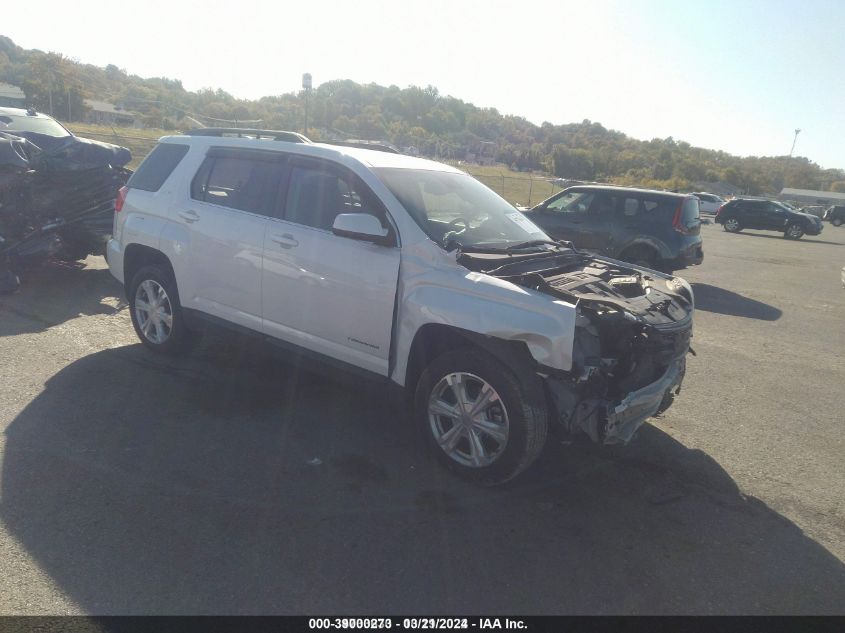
{"x": 721, "y": 301}
{"x": 57, "y": 292}
{"x": 779, "y": 236}
{"x": 231, "y": 482}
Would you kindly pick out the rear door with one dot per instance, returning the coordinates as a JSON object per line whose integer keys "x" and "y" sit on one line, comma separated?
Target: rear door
{"x": 752, "y": 214}
{"x": 226, "y": 214}
{"x": 330, "y": 294}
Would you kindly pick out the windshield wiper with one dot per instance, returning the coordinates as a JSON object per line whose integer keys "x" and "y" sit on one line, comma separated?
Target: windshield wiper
{"x": 452, "y": 244}
{"x": 530, "y": 243}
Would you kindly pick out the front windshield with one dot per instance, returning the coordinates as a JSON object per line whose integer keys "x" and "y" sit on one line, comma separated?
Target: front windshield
{"x": 455, "y": 207}
{"x": 48, "y": 127}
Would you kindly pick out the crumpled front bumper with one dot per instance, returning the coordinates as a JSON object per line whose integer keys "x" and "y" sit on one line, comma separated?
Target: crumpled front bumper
{"x": 609, "y": 422}
{"x": 625, "y": 418}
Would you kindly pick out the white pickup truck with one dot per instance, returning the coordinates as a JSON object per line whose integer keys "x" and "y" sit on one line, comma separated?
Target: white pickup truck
{"x": 409, "y": 271}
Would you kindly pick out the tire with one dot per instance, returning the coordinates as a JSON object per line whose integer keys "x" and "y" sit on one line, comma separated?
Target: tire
{"x": 641, "y": 257}
{"x": 732, "y": 225}
{"x": 793, "y": 232}
{"x": 516, "y": 416}
{"x": 836, "y": 221}
{"x": 165, "y": 332}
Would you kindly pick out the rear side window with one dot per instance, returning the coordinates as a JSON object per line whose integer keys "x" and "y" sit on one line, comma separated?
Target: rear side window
{"x": 247, "y": 184}
{"x": 157, "y": 167}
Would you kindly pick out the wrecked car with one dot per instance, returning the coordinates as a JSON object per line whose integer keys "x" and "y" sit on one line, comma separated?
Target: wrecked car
{"x": 57, "y": 192}
{"x": 408, "y": 271}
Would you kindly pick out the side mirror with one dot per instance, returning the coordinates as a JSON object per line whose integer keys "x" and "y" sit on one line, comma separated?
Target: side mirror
{"x": 361, "y": 226}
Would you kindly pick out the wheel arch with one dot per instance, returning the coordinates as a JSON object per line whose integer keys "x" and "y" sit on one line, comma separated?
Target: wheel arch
{"x": 645, "y": 244}
{"x": 138, "y": 255}
{"x": 433, "y": 339}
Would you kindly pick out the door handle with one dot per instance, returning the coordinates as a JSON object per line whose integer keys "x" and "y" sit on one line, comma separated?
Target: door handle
{"x": 189, "y": 216}
{"x": 285, "y": 241}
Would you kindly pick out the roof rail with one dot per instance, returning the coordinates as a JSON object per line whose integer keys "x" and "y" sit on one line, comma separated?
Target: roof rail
{"x": 276, "y": 135}
{"x": 373, "y": 145}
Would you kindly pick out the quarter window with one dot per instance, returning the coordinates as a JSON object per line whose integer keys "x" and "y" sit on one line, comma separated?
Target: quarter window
{"x": 157, "y": 167}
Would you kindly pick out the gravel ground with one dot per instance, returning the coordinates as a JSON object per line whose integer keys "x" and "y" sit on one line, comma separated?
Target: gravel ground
{"x": 232, "y": 482}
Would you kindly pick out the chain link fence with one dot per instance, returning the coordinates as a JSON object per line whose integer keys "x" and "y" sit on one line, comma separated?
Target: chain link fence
{"x": 524, "y": 191}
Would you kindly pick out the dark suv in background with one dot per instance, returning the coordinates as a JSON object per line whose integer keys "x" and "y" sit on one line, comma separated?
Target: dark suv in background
{"x": 835, "y": 215}
{"x": 767, "y": 215}
{"x": 655, "y": 229}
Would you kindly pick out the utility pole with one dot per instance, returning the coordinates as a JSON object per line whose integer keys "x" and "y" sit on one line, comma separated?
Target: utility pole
{"x": 306, "y": 86}
{"x": 794, "y": 140}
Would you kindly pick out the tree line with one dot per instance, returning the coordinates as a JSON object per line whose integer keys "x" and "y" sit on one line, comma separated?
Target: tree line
{"x": 434, "y": 125}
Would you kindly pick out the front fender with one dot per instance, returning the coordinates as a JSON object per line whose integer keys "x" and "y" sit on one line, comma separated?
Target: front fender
{"x": 489, "y": 307}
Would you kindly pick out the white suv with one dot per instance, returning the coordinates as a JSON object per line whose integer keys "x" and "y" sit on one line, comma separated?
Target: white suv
{"x": 708, "y": 202}
{"x": 410, "y": 271}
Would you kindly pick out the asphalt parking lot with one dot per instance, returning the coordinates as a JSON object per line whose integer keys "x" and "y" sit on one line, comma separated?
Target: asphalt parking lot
{"x": 232, "y": 482}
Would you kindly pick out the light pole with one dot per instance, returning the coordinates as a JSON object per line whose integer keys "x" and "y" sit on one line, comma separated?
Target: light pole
{"x": 306, "y": 86}
{"x": 794, "y": 140}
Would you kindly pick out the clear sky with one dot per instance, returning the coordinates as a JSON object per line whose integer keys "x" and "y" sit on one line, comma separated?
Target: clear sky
{"x": 733, "y": 75}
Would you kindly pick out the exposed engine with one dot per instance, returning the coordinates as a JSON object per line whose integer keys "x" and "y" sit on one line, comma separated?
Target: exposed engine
{"x": 632, "y": 335}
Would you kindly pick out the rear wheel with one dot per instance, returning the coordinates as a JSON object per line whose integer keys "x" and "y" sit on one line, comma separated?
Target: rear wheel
{"x": 156, "y": 312}
{"x": 794, "y": 232}
{"x": 641, "y": 257}
{"x": 732, "y": 225}
{"x": 479, "y": 419}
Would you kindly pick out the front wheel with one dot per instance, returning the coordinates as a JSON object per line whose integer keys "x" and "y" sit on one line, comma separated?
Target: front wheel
{"x": 836, "y": 221}
{"x": 794, "y": 232}
{"x": 156, "y": 312}
{"x": 732, "y": 225}
{"x": 480, "y": 420}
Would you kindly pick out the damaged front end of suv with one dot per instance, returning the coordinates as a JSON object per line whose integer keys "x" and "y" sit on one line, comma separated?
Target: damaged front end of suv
{"x": 632, "y": 333}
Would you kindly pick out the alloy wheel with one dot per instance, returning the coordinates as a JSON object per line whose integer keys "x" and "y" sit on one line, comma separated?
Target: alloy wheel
{"x": 732, "y": 224}
{"x": 468, "y": 419}
{"x": 153, "y": 311}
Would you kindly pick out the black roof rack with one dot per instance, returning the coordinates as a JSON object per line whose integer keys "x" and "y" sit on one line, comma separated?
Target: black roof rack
{"x": 374, "y": 145}
{"x": 276, "y": 135}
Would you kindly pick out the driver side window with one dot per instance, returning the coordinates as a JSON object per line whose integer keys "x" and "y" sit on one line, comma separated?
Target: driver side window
{"x": 318, "y": 193}
{"x": 574, "y": 202}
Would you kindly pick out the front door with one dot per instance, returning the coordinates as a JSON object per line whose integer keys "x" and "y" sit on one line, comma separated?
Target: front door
{"x": 774, "y": 217}
{"x": 330, "y": 294}
{"x": 563, "y": 217}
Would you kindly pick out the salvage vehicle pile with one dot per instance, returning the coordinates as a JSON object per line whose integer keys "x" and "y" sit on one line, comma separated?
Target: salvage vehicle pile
{"x": 57, "y": 193}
